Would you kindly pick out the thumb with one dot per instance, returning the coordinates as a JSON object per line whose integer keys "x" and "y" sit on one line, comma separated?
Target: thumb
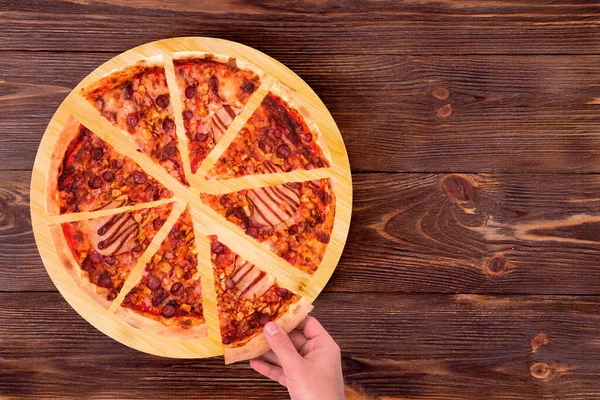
{"x": 281, "y": 345}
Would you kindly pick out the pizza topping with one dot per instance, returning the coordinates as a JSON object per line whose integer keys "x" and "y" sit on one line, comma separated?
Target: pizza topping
{"x": 97, "y": 153}
{"x": 293, "y": 230}
{"x": 108, "y": 176}
{"x": 128, "y": 92}
{"x": 213, "y": 85}
{"x": 283, "y": 151}
{"x": 168, "y": 124}
{"x": 190, "y": 91}
{"x": 169, "y": 151}
{"x": 168, "y": 311}
{"x": 273, "y": 205}
{"x": 217, "y": 248}
{"x": 252, "y": 231}
{"x": 188, "y": 115}
{"x": 201, "y": 137}
{"x": 177, "y": 289}
{"x": 110, "y": 260}
{"x": 153, "y": 283}
{"x": 95, "y": 182}
{"x": 139, "y": 177}
{"x": 105, "y": 281}
{"x": 162, "y": 101}
{"x": 159, "y": 295}
{"x": 132, "y": 119}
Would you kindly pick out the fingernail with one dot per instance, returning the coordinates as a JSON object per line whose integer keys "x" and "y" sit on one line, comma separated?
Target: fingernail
{"x": 271, "y": 328}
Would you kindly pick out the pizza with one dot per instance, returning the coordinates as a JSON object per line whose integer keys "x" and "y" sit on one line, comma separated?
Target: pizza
{"x": 137, "y": 100}
{"x": 248, "y": 298}
{"x": 151, "y": 250}
{"x": 278, "y": 137}
{"x": 294, "y": 219}
{"x": 168, "y": 296}
{"x": 107, "y": 248}
{"x": 213, "y": 91}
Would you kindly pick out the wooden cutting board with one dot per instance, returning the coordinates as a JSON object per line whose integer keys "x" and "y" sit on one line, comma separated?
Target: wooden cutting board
{"x": 46, "y": 224}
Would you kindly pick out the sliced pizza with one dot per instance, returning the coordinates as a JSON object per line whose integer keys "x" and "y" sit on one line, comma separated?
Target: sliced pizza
{"x": 294, "y": 219}
{"x": 107, "y": 248}
{"x": 213, "y": 91}
{"x": 92, "y": 175}
{"x": 279, "y": 137}
{"x": 248, "y": 298}
{"x": 136, "y": 99}
{"x": 168, "y": 297}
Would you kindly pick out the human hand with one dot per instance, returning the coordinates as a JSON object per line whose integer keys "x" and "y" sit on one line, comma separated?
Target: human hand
{"x": 308, "y": 361}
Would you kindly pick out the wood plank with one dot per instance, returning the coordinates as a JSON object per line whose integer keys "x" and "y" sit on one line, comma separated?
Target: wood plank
{"x": 402, "y": 346}
{"x": 508, "y": 113}
{"x": 413, "y": 233}
{"x": 388, "y": 27}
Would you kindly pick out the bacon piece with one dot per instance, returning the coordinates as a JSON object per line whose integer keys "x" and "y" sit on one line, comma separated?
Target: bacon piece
{"x": 274, "y": 205}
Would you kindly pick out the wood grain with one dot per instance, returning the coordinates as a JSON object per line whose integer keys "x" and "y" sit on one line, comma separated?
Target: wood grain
{"x": 408, "y": 27}
{"x": 510, "y": 114}
{"x": 402, "y": 346}
{"x": 517, "y": 234}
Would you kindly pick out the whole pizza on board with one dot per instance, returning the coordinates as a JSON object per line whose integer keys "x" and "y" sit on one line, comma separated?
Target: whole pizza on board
{"x": 206, "y": 135}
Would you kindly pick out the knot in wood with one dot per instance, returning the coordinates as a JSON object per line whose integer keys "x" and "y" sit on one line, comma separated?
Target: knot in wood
{"x": 440, "y": 93}
{"x": 458, "y": 188}
{"x": 496, "y": 266}
{"x": 444, "y": 111}
{"x": 541, "y": 371}
{"x": 539, "y": 340}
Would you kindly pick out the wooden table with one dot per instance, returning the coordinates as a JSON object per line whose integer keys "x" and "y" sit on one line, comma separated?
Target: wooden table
{"x": 472, "y": 269}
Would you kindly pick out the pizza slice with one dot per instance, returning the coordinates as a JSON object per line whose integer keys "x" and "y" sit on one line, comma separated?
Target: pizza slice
{"x": 294, "y": 220}
{"x": 107, "y": 248}
{"x": 136, "y": 99}
{"x": 248, "y": 298}
{"x": 213, "y": 91}
{"x": 92, "y": 175}
{"x": 279, "y": 137}
{"x": 168, "y": 297}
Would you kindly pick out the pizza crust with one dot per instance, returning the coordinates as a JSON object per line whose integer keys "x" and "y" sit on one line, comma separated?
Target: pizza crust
{"x": 116, "y": 76}
{"x": 65, "y": 137}
{"x": 191, "y": 55}
{"x": 139, "y": 321}
{"x": 258, "y": 345}
{"x": 74, "y": 269}
{"x": 294, "y": 103}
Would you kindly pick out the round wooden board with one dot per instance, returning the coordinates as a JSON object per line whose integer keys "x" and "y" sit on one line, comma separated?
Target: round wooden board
{"x": 46, "y": 221}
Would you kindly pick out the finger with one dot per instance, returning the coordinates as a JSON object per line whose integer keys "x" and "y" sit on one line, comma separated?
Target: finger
{"x": 281, "y": 345}
{"x": 271, "y": 358}
{"x": 270, "y": 371}
{"x": 298, "y": 339}
{"x": 312, "y": 328}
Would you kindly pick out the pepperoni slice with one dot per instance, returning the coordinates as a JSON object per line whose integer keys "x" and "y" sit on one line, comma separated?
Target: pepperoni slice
{"x": 190, "y": 91}
{"x": 168, "y": 311}
{"x": 187, "y": 115}
{"x": 162, "y": 101}
{"x": 168, "y": 124}
{"x": 153, "y": 283}
{"x": 283, "y": 151}
{"x": 95, "y": 182}
{"x": 201, "y": 137}
{"x": 132, "y": 119}
{"x": 177, "y": 289}
{"x": 97, "y": 153}
{"x": 108, "y": 176}
{"x": 139, "y": 177}
{"x": 217, "y": 248}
